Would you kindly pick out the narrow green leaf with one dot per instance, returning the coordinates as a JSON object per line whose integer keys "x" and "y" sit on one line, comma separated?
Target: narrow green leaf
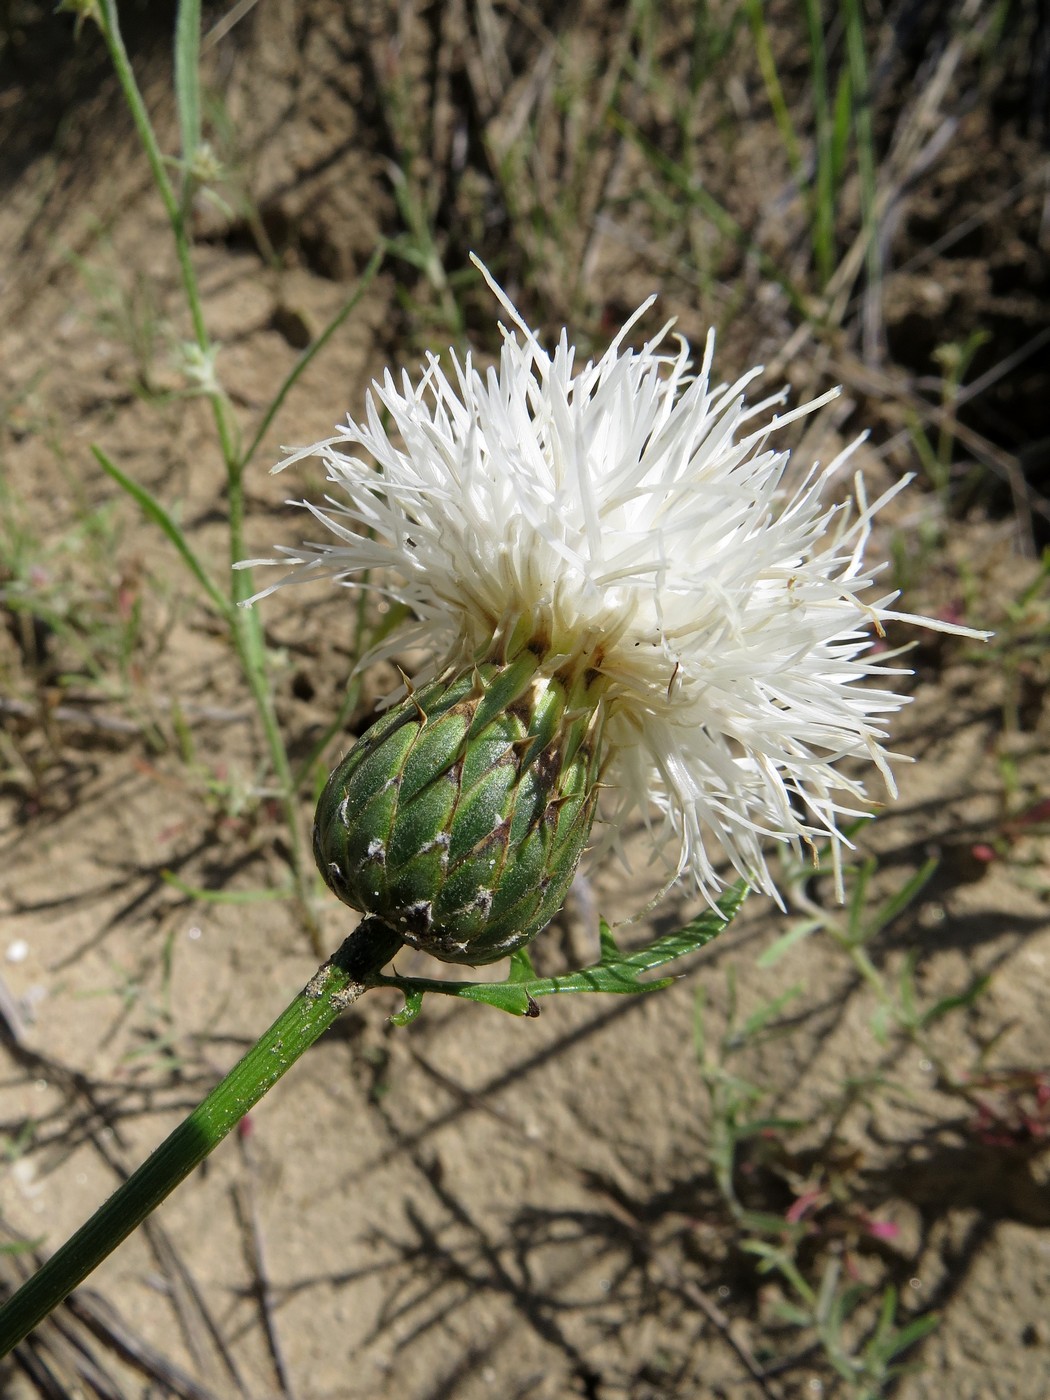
{"x": 912, "y": 1333}
{"x": 512, "y": 997}
{"x": 864, "y": 132}
{"x": 884, "y": 1324}
{"x": 774, "y": 1258}
{"x": 206, "y": 896}
{"x": 858, "y": 899}
{"x": 154, "y": 511}
{"x": 790, "y": 1312}
{"x": 900, "y": 901}
{"x": 609, "y": 946}
{"x": 954, "y": 1003}
{"x": 760, "y": 1018}
{"x": 521, "y": 968}
{"x": 767, "y": 66}
{"x": 1028, "y": 594}
{"x": 771, "y": 1224}
{"x": 616, "y": 972}
{"x": 840, "y": 126}
{"x": 827, "y": 1292}
{"x": 187, "y": 76}
{"x": 697, "y": 195}
{"x": 881, "y": 1020}
{"x": 786, "y": 941}
{"x": 823, "y": 192}
{"x": 848, "y": 1369}
{"x": 20, "y": 1246}
{"x": 768, "y": 1253}
{"x": 365, "y": 280}
{"x": 847, "y": 1302}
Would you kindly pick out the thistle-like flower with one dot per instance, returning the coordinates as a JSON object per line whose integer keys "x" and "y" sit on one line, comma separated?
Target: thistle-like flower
{"x": 615, "y": 592}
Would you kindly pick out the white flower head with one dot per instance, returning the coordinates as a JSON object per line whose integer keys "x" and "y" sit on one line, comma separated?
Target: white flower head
{"x": 629, "y": 518}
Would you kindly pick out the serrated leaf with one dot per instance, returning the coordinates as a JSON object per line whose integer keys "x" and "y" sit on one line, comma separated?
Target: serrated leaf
{"x": 616, "y": 972}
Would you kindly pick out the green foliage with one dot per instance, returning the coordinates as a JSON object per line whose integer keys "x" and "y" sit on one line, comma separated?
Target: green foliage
{"x": 827, "y": 1310}
{"x": 187, "y": 80}
{"x": 158, "y": 515}
{"x": 197, "y": 166}
{"x": 616, "y": 972}
{"x": 461, "y": 815}
{"x": 812, "y": 1246}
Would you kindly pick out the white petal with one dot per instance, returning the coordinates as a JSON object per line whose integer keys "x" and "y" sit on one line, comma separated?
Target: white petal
{"x": 624, "y": 508}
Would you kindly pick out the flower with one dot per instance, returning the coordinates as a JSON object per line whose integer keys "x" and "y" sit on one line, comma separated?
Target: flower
{"x": 628, "y": 521}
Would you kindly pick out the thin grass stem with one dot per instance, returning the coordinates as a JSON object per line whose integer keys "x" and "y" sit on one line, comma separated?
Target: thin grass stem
{"x": 245, "y": 625}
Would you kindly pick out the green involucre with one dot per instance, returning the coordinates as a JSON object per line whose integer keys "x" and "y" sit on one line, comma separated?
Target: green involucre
{"x": 460, "y": 816}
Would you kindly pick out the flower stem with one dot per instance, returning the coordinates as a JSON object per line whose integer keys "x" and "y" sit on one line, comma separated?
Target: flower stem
{"x": 336, "y": 984}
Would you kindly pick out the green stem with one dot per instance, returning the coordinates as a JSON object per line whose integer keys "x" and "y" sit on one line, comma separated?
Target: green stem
{"x": 122, "y": 65}
{"x": 246, "y": 626}
{"x": 336, "y": 984}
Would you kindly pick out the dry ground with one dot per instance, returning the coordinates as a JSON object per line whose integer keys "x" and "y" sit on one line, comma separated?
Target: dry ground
{"x": 476, "y": 1206}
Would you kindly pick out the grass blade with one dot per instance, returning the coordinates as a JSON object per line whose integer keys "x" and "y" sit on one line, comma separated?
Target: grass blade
{"x": 721, "y": 218}
{"x": 905, "y": 896}
{"x": 863, "y": 127}
{"x": 155, "y": 512}
{"x": 187, "y": 77}
{"x": 774, "y": 92}
{"x": 311, "y": 350}
{"x": 204, "y": 896}
{"x": 823, "y": 192}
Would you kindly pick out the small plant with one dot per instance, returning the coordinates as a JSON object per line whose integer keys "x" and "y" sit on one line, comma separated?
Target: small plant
{"x": 829, "y": 1309}
{"x": 798, "y": 1197}
{"x": 178, "y": 182}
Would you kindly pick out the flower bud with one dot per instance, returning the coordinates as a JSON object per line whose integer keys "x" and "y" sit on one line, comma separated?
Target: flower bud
{"x": 460, "y": 816}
